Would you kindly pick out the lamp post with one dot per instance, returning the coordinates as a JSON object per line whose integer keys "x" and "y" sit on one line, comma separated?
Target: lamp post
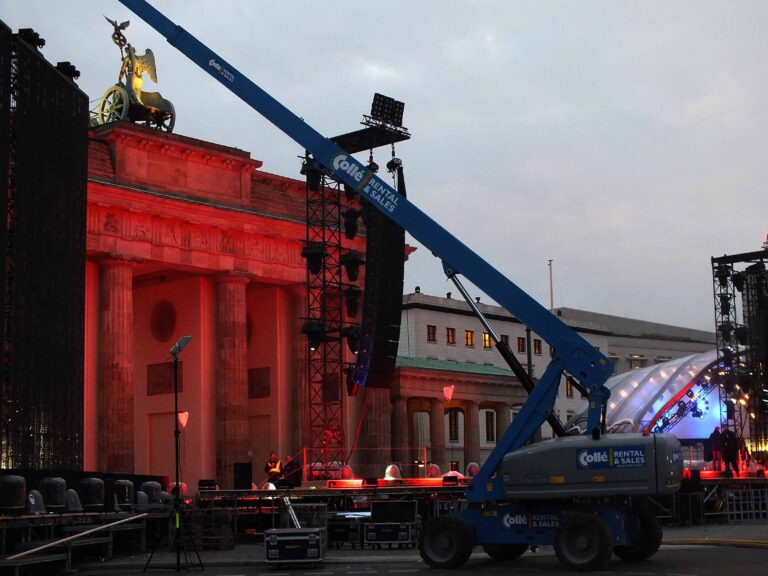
{"x": 175, "y": 351}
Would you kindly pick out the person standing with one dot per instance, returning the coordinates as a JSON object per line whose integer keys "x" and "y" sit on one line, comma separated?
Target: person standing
{"x": 291, "y": 473}
{"x": 730, "y": 450}
{"x": 273, "y": 468}
{"x": 716, "y": 446}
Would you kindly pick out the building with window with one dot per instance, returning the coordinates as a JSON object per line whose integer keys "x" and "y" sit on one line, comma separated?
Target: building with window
{"x": 484, "y": 394}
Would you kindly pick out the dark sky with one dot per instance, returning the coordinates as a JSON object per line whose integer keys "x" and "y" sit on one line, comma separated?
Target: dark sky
{"x": 625, "y": 141}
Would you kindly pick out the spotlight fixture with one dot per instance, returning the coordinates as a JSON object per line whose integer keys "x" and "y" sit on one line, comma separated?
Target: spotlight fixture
{"x": 725, "y": 304}
{"x": 722, "y": 273}
{"x": 315, "y": 331}
{"x": 350, "y": 222}
{"x": 394, "y": 164}
{"x": 372, "y": 166}
{"x": 68, "y": 69}
{"x": 352, "y": 300}
{"x": 349, "y": 376}
{"x": 31, "y": 37}
{"x": 349, "y": 192}
{"x": 352, "y": 262}
{"x": 352, "y": 334}
{"x": 726, "y": 330}
{"x": 314, "y": 252}
{"x": 309, "y": 169}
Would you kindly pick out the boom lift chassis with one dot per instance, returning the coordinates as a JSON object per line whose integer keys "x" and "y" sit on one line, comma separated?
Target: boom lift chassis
{"x": 586, "y": 519}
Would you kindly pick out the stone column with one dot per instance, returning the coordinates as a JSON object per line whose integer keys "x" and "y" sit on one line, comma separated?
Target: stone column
{"x": 374, "y": 446}
{"x": 471, "y": 432}
{"x": 503, "y": 418}
{"x": 115, "y": 396}
{"x": 437, "y": 433}
{"x": 231, "y": 378}
{"x": 401, "y": 435}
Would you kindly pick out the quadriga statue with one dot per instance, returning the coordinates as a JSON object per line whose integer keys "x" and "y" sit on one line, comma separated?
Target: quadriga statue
{"x": 127, "y": 98}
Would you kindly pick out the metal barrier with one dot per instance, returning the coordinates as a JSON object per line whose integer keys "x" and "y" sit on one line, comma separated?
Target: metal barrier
{"x": 747, "y": 505}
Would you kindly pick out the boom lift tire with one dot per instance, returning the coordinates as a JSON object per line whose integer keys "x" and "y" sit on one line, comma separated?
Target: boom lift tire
{"x": 583, "y": 542}
{"x": 505, "y": 552}
{"x": 645, "y": 543}
{"x": 446, "y": 542}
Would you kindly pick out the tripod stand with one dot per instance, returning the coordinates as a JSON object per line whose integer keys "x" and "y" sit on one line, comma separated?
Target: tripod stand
{"x": 181, "y": 525}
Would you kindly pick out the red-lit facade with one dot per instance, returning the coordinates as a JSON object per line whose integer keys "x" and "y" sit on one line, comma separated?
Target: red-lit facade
{"x": 186, "y": 237}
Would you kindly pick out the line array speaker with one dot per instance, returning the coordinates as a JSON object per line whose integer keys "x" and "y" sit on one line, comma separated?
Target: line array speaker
{"x": 382, "y": 298}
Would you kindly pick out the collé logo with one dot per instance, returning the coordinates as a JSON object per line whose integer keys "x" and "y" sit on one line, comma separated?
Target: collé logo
{"x": 624, "y": 457}
{"x": 341, "y": 162}
{"x": 593, "y": 458}
{"x": 221, "y": 70}
{"x": 512, "y": 520}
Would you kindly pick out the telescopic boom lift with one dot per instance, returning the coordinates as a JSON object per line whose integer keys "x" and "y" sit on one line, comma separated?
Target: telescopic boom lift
{"x": 584, "y": 494}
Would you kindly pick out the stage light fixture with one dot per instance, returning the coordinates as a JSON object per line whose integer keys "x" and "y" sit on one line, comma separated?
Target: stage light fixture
{"x": 738, "y": 281}
{"x": 352, "y": 262}
{"x": 722, "y": 273}
{"x": 316, "y": 332}
{"x": 349, "y": 376}
{"x": 727, "y": 356}
{"x": 352, "y": 300}
{"x": 394, "y": 164}
{"x": 312, "y": 174}
{"x": 726, "y": 330}
{"x": 68, "y": 69}
{"x": 725, "y": 304}
{"x": 349, "y": 192}
{"x": 387, "y": 110}
{"x": 315, "y": 254}
{"x": 372, "y": 166}
{"x": 350, "y": 217}
{"x": 352, "y": 334}
{"x": 31, "y": 37}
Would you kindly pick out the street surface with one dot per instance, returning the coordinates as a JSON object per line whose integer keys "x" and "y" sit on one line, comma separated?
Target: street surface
{"x": 669, "y": 561}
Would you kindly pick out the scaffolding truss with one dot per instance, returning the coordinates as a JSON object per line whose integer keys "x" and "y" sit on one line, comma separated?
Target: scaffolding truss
{"x": 323, "y": 327}
{"x": 743, "y": 346}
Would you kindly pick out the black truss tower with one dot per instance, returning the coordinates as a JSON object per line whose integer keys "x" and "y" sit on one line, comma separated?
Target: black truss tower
{"x": 43, "y": 175}
{"x": 755, "y": 304}
{"x": 743, "y": 346}
{"x": 333, "y": 294}
{"x": 323, "y": 325}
